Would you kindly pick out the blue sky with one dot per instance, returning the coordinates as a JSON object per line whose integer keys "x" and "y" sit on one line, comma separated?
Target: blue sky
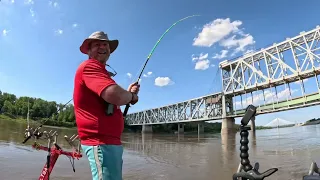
{"x": 39, "y": 44}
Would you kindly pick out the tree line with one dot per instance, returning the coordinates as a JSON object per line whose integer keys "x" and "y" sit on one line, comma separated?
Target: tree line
{"x": 57, "y": 114}
{"x": 47, "y": 111}
{"x": 39, "y": 110}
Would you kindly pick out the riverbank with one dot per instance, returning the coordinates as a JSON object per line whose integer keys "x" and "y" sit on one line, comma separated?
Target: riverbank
{"x": 189, "y": 128}
{"x": 50, "y": 123}
{"x": 313, "y": 121}
{"x": 36, "y": 122}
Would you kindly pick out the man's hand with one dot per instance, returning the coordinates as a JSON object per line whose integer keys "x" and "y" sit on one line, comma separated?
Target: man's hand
{"x": 135, "y": 99}
{"x": 134, "y": 88}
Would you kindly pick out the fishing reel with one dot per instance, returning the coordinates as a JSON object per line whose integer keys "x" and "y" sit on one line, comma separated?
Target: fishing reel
{"x": 37, "y": 134}
{"x": 29, "y": 132}
{"x": 51, "y": 136}
{"x": 245, "y": 170}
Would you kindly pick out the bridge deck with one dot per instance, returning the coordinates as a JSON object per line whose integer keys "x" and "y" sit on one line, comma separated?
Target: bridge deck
{"x": 299, "y": 102}
{"x": 147, "y": 117}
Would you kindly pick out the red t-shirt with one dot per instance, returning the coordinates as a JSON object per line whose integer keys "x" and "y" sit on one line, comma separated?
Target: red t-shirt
{"x": 94, "y": 126}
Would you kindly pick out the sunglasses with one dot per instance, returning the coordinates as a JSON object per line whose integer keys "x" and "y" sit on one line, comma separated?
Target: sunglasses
{"x": 112, "y": 74}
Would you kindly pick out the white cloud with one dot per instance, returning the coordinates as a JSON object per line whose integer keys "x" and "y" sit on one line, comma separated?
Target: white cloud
{"x": 148, "y": 74}
{"x": 215, "y": 31}
{"x": 202, "y": 62}
{"x": 129, "y": 75}
{"x": 226, "y": 34}
{"x": 4, "y": 2}
{"x": 54, "y": 4}
{"x": 32, "y": 12}
{"x": 239, "y": 43}
{"x": 5, "y": 32}
{"x": 202, "y": 65}
{"x": 28, "y": 2}
{"x": 223, "y": 54}
{"x": 74, "y": 25}
{"x": 200, "y": 57}
{"x": 7, "y": 1}
{"x": 163, "y": 81}
{"x": 59, "y": 31}
{"x": 249, "y": 51}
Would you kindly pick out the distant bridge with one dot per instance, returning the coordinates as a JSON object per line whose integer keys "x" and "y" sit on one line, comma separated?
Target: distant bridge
{"x": 278, "y": 122}
{"x": 294, "y": 60}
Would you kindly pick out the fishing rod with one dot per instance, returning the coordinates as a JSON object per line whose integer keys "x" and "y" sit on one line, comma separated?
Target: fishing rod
{"x": 150, "y": 54}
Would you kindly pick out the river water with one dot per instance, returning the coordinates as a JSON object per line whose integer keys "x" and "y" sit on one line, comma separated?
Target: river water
{"x": 171, "y": 157}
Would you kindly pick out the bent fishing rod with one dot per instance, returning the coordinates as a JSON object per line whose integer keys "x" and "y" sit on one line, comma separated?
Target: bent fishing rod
{"x": 150, "y": 54}
{"x": 141, "y": 72}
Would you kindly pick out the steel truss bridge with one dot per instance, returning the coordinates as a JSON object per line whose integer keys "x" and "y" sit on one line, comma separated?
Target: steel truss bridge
{"x": 294, "y": 60}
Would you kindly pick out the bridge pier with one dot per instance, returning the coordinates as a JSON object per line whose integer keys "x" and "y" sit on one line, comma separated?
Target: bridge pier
{"x": 146, "y": 129}
{"x": 200, "y": 128}
{"x": 228, "y": 125}
{"x": 253, "y": 124}
{"x": 180, "y": 128}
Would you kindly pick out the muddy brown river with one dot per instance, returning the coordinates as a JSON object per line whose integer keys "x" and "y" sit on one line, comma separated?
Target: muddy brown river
{"x": 170, "y": 157}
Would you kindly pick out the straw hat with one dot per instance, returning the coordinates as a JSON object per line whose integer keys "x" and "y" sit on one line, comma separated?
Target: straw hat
{"x": 98, "y": 35}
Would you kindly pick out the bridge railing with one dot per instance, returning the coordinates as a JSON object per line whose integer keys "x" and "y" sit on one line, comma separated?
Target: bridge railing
{"x": 206, "y": 107}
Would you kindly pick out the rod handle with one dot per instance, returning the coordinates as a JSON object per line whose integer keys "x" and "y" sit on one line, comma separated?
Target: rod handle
{"x": 126, "y": 110}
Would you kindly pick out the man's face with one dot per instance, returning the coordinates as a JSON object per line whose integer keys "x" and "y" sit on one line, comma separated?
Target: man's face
{"x": 99, "y": 50}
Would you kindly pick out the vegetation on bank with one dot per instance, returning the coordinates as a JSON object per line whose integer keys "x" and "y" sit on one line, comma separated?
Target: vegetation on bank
{"x": 312, "y": 122}
{"x": 42, "y": 111}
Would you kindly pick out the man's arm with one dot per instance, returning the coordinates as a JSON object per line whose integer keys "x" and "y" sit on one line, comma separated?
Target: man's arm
{"x": 98, "y": 81}
{"x": 115, "y": 94}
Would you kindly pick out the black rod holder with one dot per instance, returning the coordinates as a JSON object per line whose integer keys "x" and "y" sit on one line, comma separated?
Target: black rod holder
{"x": 245, "y": 170}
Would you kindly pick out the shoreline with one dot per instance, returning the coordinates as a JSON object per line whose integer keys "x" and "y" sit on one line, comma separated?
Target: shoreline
{"x": 49, "y": 123}
{"x": 127, "y": 129}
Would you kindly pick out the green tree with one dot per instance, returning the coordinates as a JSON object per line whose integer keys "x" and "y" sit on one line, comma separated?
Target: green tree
{"x": 40, "y": 110}
{"x": 8, "y": 107}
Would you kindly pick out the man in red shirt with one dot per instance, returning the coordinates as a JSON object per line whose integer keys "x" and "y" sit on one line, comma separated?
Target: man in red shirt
{"x": 97, "y": 100}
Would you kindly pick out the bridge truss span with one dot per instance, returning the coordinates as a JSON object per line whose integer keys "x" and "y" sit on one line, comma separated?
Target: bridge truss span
{"x": 288, "y": 63}
{"x": 292, "y": 60}
{"x": 199, "y": 109}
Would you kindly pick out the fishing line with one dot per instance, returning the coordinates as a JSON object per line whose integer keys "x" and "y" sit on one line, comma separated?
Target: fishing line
{"x": 135, "y": 77}
{"x": 150, "y": 54}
